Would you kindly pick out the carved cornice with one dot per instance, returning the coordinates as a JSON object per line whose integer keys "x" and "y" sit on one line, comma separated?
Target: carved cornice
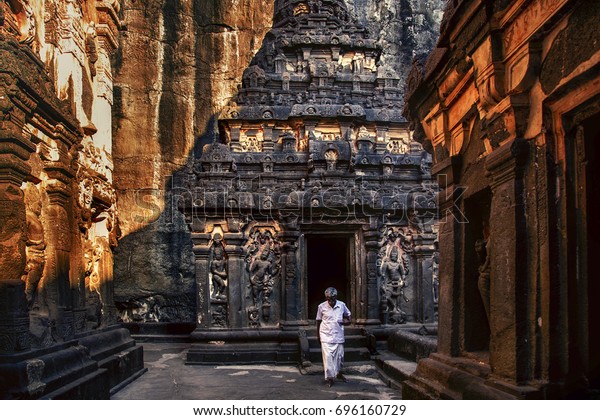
{"x": 108, "y": 26}
{"x": 35, "y": 88}
{"x": 13, "y": 170}
{"x": 18, "y": 146}
{"x": 57, "y": 188}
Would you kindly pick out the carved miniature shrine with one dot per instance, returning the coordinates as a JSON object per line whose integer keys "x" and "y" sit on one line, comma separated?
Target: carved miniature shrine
{"x": 314, "y": 181}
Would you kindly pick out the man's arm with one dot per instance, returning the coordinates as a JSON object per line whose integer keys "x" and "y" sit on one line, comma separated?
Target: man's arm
{"x": 346, "y": 316}
{"x": 318, "y": 318}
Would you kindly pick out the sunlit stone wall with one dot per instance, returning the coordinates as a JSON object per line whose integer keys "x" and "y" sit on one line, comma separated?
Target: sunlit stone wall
{"x": 57, "y": 169}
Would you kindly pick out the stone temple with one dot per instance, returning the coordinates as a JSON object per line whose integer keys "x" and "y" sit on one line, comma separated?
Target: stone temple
{"x": 313, "y": 180}
{"x": 201, "y": 171}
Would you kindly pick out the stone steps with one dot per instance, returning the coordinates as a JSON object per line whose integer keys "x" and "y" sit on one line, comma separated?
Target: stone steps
{"x": 392, "y": 369}
{"x": 91, "y": 366}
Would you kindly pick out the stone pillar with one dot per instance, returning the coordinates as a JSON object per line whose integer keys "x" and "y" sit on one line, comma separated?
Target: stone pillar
{"x": 56, "y": 285}
{"x": 14, "y": 151}
{"x": 268, "y": 139}
{"x": 238, "y": 318}
{"x": 369, "y": 290}
{"x": 424, "y": 249}
{"x": 77, "y": 279}
{"x": 508, "y": 276}
{"x": 235, "y": 136}
{"x": 201, "y": 250}
{"x": 290, "y": 291}
{"x": 450, "y": 240}
{"x": 105, "y": 272}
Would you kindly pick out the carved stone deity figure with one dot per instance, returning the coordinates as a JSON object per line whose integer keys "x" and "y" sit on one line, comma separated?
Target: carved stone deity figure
{"x": 35, "y": 251}
{"x": 393, "y": 265}
{"x": 261, "y": 281}
{"x": 394, "y": 271}
{"x": 483, "y": 282}
{"x": 263, "y": 264}
{"x": 218, "y": 270}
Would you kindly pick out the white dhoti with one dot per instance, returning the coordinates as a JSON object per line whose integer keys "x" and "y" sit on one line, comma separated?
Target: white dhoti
{"x": 333, "y": 359}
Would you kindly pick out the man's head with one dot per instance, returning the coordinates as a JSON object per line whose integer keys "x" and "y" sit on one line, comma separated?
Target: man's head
{"x": 331, "y": 294}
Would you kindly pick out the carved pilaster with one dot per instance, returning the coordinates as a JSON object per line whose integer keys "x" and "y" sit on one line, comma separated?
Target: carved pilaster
{"x": 370, "y": 291}
{"x": 56, "y": 287}
{"x": 450, "y": 237}
{"x": 508, "y": 285}
{"x": 14, "y": 323}
{"x": 14, "y": 151}
{"x": 426, "y": 290}
{"x": 290, "y": 290}
{"x": 201, "y": 251}
{"x": 237, "y": 288}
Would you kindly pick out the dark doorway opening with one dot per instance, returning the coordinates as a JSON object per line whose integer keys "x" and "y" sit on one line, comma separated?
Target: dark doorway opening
{"x": 327, "y": 260}
{"x": 583, "y": 233}
{"x": 477, "y": 274}
{"x": 592, "y": 212}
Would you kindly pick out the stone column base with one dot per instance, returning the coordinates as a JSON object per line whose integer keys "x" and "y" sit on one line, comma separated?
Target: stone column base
{"x": 457, "y": 378}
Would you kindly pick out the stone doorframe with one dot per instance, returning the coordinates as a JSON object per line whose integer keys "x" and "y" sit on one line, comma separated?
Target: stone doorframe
{"x": 360, "y": 291}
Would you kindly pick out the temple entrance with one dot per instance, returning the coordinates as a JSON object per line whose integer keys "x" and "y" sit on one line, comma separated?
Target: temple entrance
{"x": 328, "y": 265}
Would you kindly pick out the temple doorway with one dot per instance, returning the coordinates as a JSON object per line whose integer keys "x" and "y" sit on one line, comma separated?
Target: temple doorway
{"x": 327, "y": 265}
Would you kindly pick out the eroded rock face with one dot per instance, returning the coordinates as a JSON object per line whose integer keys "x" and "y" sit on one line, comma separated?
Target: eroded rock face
{"x": 404, "y": 28}
{"x": 180, "y": 62}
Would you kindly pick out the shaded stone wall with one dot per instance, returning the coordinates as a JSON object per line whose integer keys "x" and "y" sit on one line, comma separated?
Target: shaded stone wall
{"x": 509, "y": 102}
{"x": 179, "y": 64}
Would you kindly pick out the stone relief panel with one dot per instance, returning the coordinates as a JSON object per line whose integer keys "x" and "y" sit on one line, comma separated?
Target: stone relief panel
{"x": 263, "y": 263}
{"x": 395, "y": 273}
{"x": 251, "y": 142}
{"x": 35, "y": 244}
{"x": 398, "y": 146}
{"x": 218, "y": 270}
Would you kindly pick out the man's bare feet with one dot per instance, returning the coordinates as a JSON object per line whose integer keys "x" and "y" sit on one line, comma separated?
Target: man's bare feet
{"x": 330, "y": 382}
{"x": 342, "y": 377}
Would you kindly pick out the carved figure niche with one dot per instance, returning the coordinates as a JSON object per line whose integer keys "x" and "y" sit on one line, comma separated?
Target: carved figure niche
{"x": 218, "y": 280}
{"x": 477, "y": 272}
{"x": 35, "y": 245}
{"x": 263, "y": 263}
{"x": 394, "y": 267}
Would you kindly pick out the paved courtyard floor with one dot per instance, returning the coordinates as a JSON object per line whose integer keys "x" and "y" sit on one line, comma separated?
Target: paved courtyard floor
{"x": 169, "y": 378}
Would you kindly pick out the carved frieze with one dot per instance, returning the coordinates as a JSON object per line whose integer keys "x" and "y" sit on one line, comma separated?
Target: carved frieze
{"x": 528, "y": 22}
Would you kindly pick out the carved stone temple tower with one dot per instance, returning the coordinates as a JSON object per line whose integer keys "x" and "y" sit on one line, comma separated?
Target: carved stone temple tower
{"x": 314, "y": 181}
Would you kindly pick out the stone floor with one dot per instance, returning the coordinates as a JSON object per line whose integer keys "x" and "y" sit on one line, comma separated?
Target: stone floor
{"x": 168, "y": 378}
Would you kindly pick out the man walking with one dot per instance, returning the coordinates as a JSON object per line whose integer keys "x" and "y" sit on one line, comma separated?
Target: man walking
{"x": 332, "y": 315}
